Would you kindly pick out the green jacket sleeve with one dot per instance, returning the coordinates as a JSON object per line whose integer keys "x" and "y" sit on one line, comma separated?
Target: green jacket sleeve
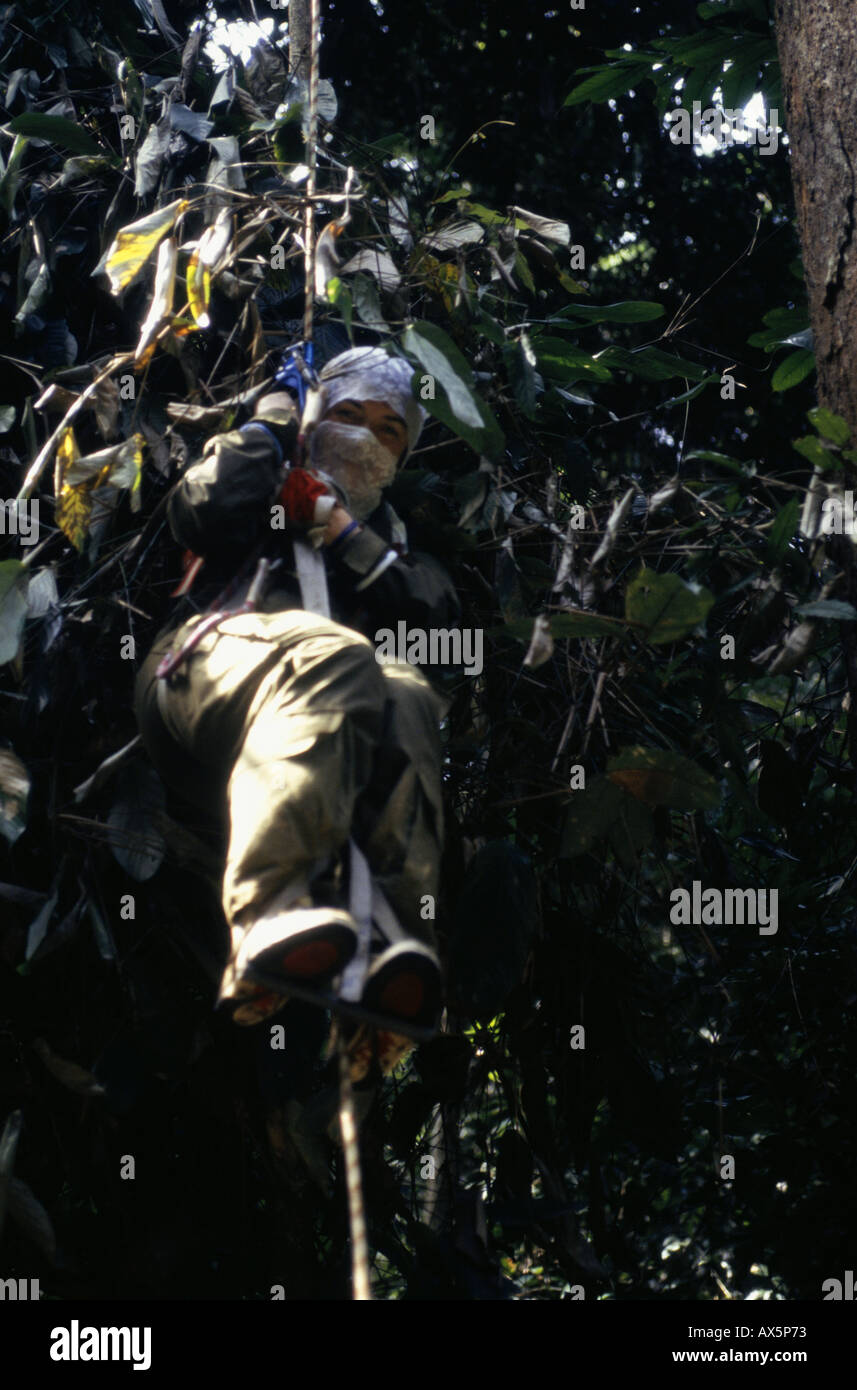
{"x": 413, "y": 587}
{"x": 220, "y": 507}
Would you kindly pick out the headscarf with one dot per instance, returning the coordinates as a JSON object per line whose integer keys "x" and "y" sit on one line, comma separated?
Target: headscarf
{"x": 370, "y": 374}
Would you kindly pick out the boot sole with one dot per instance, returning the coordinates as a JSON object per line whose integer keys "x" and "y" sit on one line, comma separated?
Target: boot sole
{"x": 404, "y": 983}
{"x": 311, "y": 956}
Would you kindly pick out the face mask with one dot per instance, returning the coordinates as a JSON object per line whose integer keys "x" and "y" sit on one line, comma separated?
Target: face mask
{"x": 356, "y": 461}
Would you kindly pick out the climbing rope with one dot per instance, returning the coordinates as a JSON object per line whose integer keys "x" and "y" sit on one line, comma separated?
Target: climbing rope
{"x": 312, "y": 140}
{"x": 360, "y": 1285}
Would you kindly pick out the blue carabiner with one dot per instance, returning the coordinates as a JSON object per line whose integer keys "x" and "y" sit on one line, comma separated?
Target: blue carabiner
{"x": 296, "y": 370}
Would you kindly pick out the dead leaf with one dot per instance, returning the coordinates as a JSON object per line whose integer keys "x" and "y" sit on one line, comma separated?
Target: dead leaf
{"x": 161, "y": 307}
{"x": 39, "y": 926}
{"x": 69, "y": 1074}
{"x": 8, "y": 1148}
{"x": 540, "y": 649}
{"x": 137, "y": 845}
{"x": 28, "y": 1213}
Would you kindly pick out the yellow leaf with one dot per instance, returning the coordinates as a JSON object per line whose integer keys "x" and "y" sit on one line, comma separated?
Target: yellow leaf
{"x": 73, "y": 510}
{"x": 441, "y": 278}
{"x": 134, "y": 244}
{"x": 67, "y": 454}
{"x": 73, "y": 502}
{"x": 81, "y": 480}
{"x": 213, "y": 244}
{"x": 180, "y": 327}
{"x": 127, "y": 468}
{"x": 198, "y": 289}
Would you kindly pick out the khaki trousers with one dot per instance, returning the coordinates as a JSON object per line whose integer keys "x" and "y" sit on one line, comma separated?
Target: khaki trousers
{"x": 287, "y": 719}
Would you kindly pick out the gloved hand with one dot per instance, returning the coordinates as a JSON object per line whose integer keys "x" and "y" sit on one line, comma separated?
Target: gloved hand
{"x": 307, "y": 500}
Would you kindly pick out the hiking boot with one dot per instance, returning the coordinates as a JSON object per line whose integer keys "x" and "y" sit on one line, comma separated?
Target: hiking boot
{"x": 404, "y": 982}
{"x": 308, "y": 945}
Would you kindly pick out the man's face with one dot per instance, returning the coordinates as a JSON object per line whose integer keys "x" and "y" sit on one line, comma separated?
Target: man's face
{"x": 388, "y": 427}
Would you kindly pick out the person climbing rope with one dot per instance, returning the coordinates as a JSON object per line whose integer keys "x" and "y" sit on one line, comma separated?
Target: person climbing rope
{"x": 285, "y": 717}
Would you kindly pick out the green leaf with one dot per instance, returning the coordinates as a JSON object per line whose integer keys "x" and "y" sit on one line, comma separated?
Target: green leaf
{"x": 456, "y": 402}
{"x": 490, "y": 328}
{"x": 810, "y": 447}
{"x": 367, "y": 305}
{"x": 829, "y": 426}
{"x": 713, "y": 380}
{"x": 785, "y": 320}
{"x": 833, "y": 608}
{"x": 781, "y": 325}
{"x": 9, "y": 181}
{"x": 452, "y": 193}
{"x": 340, "y": 296}
{"x": 782, "y": 531}
{"x": 702, "y": 80}
{"x": 665, "y": 606}
{"x": 662, "y": 778}
{"x": 7, "y": 418}
{"x": 560, "y": 360}
{"x": 742, "y": 80}
{"x": 651, "y": 364}
{"x": 56, "y": 130}
{"x": 745, "y": 468}
{"x": 13, "y": 607}
{"x": 524, "y": 274}
{"x": 522, "y": 376}
{"x": 628, "y": 311}
{"x": 613, "y": 80}
{"x": 793, "y": 370}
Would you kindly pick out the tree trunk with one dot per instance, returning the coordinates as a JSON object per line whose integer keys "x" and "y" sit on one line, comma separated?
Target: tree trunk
{"x": 817, "y": 44}
{"x": 299, "y": 39}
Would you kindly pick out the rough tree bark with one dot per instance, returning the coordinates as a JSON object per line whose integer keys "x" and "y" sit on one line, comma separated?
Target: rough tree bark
{"x": 817, "y": 44}
{"x": 299, "y": 36}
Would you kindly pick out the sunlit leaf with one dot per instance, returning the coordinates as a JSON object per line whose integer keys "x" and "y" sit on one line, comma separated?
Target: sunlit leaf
{"x": 377, "y": 263}
{"x": 203, "y": 264}
{"x": 829, "y": 426}
{"x": 161, "y": 306}
{"x": 14, "y": 792}
{"x": 457, "y": 403}
{"x": 545, "y": 227}
{"x": 835, "y": 609}
{"x": 133, "y": 245}
{"x": 198, "y": 290}
{"x": 77, "y": 480}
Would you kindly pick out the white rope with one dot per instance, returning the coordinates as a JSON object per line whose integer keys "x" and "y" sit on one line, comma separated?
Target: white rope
{"x": 312, "y": 140}
{"x": 313, "y": 580}
{"x": 361, "y": 1291}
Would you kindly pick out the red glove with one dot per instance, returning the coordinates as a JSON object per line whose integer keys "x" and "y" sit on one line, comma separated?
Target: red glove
{"x": 300, "y": 495}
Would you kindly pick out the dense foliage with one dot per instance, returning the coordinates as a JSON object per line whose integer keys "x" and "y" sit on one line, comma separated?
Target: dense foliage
{"x": 610, "y": 475}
